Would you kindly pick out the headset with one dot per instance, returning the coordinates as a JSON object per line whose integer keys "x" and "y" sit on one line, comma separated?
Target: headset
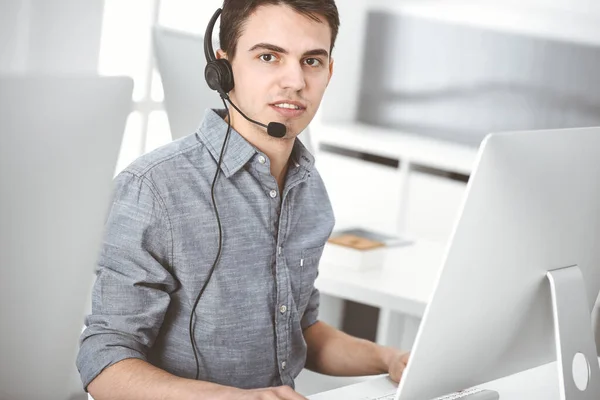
{"x": 218, "y": 72}
{"x": 219, "y": 77}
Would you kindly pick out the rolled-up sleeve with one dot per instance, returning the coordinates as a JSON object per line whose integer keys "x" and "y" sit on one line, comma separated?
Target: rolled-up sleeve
{"x": 133, "y": 285}
{"x": 311, "y": 314}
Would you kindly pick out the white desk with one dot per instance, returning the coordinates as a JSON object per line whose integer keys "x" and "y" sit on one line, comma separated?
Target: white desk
{"x": 401, "y": 288}
{"x": 404, "y": 283}
{"x": 536, "y": 384}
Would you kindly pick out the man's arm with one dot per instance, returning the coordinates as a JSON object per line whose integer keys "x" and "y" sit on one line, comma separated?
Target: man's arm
{"x": 333, "y": 352}
{"x": 134, "y": 379}
{"x": 132, "y": 290}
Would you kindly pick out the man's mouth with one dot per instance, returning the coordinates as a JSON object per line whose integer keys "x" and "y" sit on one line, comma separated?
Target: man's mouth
{"x": 288, "y": 106}
{"x": 289, "y": 109}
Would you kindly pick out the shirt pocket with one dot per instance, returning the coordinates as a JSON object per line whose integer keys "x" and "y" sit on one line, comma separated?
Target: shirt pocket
{"x": 303, "y": 267}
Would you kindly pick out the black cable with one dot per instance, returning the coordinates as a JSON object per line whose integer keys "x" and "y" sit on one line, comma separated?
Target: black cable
{"x": 212, "y": 194}
{"x": 242, "y": 114}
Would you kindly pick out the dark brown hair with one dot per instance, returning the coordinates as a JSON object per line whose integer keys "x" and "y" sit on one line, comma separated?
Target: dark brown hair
{"x": 236, "y": 12}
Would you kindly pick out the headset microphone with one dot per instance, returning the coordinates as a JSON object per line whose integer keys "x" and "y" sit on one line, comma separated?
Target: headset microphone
{"x": 274, "y": 129}
{"x": 219, "y": 77}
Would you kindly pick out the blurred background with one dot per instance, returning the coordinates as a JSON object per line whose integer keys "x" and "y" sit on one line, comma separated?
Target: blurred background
{"x": 453, "y": 70}
{"x": 417, "y": 86}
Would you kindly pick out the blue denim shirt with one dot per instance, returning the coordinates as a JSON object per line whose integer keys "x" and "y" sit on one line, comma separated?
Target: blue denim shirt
{"x": 161, "y": 240}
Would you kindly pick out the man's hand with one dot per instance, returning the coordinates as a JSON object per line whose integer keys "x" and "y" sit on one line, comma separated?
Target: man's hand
{"x": 274, "y": 393}
{"x": 397, "y": 364}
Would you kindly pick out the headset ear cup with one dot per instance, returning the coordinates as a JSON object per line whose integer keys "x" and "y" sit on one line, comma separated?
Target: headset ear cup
{"x": 213, "y": 76}
{"x": 227, "y": 82}
{"x": 219, "y": 76}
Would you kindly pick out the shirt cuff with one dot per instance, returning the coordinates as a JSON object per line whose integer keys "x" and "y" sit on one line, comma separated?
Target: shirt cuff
{"x": 99, "y": 352}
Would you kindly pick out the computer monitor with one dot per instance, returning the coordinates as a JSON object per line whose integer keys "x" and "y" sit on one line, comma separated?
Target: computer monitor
{"x": 59, "y": 142}
{"x": 180, "y": 60}
{"x": 532, "y": 205}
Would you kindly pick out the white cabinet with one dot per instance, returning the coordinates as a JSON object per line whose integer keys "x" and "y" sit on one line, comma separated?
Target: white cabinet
{"x": 362, "y": 193}
{"x": 420, "y": 195}
{"x": 433, "y": 205}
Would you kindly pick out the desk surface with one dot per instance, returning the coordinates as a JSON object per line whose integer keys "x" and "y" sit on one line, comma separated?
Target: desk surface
{"x": 404, "y": 283}
{"x": 535, "y": 384}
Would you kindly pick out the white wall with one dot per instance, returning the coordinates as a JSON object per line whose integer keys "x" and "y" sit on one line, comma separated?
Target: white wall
{"x": 13, "y": 34}
{"x": 50, "y": 36}
{"x": 575, "y": 20}
{"x": 65, "y": 35}
{"x": 341, "y": 99}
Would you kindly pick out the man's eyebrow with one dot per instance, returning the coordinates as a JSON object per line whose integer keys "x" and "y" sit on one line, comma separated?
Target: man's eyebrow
{"x": 267, "y": 46}
{"x": 317, "y": 52}
{"x": 277, "y": 49}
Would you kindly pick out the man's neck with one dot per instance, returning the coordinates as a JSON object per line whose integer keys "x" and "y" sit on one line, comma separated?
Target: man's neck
{"x": 277, "y": 150}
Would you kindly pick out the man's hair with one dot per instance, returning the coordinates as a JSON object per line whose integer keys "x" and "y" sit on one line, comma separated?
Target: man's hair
{"x": 236, "y": 12}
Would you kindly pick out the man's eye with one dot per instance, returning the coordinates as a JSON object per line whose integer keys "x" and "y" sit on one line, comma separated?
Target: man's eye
{"x": 312, "y": 62}
{"x": 267, "y": 57}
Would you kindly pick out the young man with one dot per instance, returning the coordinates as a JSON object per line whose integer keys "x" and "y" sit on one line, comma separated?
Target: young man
{"x": 255, "y": 326}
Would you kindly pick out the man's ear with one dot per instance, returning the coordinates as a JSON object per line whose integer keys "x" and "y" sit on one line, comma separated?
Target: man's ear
{"x": 221, "y": 54}
{"x": 330, "y": 71}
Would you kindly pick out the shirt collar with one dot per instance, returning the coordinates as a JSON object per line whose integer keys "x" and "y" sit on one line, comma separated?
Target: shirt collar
{"x": 301, "y": 156}
{"x": 212, "y": 134}
{"x": 239, "y": 151}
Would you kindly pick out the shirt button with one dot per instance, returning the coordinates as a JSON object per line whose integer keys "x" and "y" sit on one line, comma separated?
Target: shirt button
{"x": 262, "y": 159}
{"x": 273, "y": 193}
{"x": 283, "y": 365}
{"x": 283, "y": 309}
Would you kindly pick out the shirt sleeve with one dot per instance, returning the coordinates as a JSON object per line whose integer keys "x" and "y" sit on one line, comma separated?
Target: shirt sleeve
{"x": 311, "y": 314}
{"x": 133, "y": 284}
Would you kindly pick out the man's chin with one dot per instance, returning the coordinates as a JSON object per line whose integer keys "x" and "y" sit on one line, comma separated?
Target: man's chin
{"x": 293, "y": 130}
{"x": 297, "y": 125}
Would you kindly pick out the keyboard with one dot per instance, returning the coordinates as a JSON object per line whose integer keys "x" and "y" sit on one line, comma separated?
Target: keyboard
{"x": 452, "y": 396}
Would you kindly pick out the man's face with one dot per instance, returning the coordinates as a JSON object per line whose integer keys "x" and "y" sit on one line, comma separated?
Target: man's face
{"x": 281, "y": 68}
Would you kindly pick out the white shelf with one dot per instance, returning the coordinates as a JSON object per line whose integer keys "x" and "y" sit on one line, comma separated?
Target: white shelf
{"x": 397, "y": 145}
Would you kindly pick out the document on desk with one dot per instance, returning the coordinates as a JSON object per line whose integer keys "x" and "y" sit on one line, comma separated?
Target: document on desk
{"x": 385, "y": 239}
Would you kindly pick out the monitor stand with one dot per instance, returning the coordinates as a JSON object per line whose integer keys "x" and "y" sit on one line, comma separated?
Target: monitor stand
{"x": 575, "y": 346}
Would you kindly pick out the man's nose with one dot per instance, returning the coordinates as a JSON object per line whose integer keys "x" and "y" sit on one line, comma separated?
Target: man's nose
{"x": 293, "y": 77}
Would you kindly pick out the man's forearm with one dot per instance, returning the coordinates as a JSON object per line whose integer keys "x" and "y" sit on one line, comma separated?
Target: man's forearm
{"x": 133, "y": 379}
{"x": 333, "y": 352}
